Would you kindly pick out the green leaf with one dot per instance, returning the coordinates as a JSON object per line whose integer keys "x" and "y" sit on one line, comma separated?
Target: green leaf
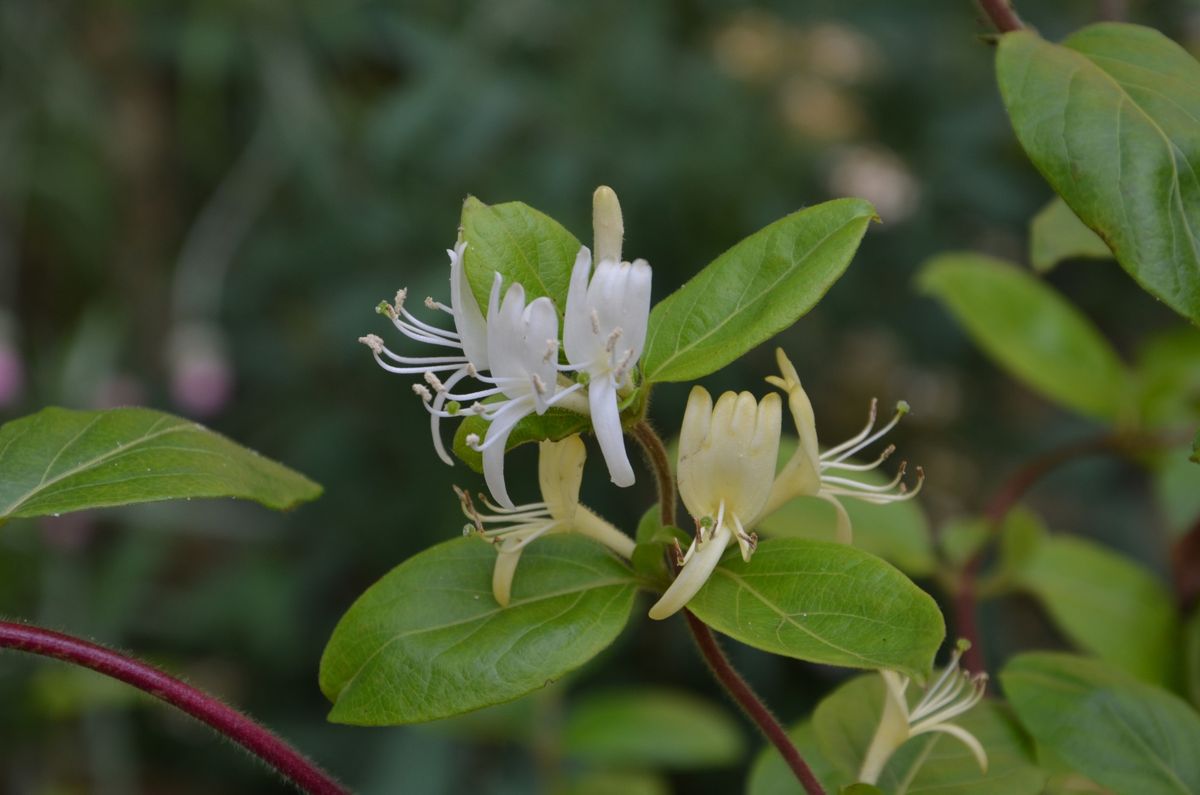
{"x": 555, "y": 425}
{"x": 899, "y": 533}
{"x": 1126, "y": 735}
{"x": 1109, "y": 118}
{"x": 652, "y": 728}
{"x": 836, "y": 741}
{"x": 823, "y": 602}
{"x": 1195, "y": 457}
{"x": 753, "y": 291}
{"x": 1106, "y": 604}
{"x": 428, "y": 640}
{"x": 521, "y": 244}
{"x": 60, "y": 460}
{"x": 1176, "y": 484}
{"x": 1031, "y": 331}
{"x": 1057, "y": 234}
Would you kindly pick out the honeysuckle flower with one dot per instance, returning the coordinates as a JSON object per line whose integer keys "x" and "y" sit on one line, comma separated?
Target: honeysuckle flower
{"x": 560, "y": 473}
{"x": 468, "y": 338}
{"x": 812, "y": 473}
{"x": 604, "y": 328}
{"x": 522, "y": 349}
{"x": 953, "y": 693}
{"x": 727, "y": 455}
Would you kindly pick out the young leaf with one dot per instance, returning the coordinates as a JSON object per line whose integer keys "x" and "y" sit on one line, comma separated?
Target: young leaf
{"x": 1031, "y": 331}
{"x": 1057, "y": 234}
{"x": 652, "y": 729}
{"x": 1126, "y": 735}
{"x": 61, "y": 460}
{"x": 1106, "y": 604}
{"x": 1109, "y": 118}
{"x": 899, "y": 533}
{"x": 836, "y": 740}
{"x": 823, "y": 602}
{"x": 521, "y": 244}
{"x": 753, "y": 291}
{"x": 429, "y": 641}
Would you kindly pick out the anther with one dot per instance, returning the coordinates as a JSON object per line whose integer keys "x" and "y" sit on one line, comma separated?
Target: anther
{"x": 373, "y": 342}
{"x": 472, "y": 441}
{"x": 434, "y": 382}
{"x": 538, "y": 384}
{"x": 611, "y": 343}
{"x": 425, "y": 394}
{"x": 595, "y": 322}
{"x": 551, "y": 351}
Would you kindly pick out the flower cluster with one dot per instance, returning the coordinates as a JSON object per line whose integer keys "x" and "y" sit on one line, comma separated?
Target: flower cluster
{"x": 519, "y": 365}
{"x": 513, "y": 353}
{"x": 728, "y": 482}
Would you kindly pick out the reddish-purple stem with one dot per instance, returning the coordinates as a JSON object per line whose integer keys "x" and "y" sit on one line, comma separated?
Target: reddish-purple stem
{"x": 746, "y": 698}
{"x": 1002, "y": 15}
{"x": 256, "y": 739}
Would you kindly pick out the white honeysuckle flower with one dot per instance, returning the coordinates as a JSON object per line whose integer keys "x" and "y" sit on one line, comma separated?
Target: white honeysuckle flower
{"x": 953, "y": 693}
{"x": 811, "y": 473}
{"x": 727, "y": 456}
{"x": 522, "y": 348}
{"x": 604, "y": 328}
{"x": 560, "y": 473}
{"x": 468, "y": 338}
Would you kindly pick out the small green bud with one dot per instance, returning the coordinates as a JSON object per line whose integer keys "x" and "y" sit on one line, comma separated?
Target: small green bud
{"x": 453, "y": 407}
{"x": 383, "y": 308}
{"x": 706, "y": 522}
{"x": 582, "y": 377}
{"x": 902, "y": 407}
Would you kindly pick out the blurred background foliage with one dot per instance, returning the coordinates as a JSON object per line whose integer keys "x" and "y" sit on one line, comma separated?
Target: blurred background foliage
{"x": 201, "y": 203}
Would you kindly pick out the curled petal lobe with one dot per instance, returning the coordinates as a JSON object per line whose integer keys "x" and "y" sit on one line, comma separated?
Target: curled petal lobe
{"x": 693, "y": 575}
{"x": 606, "y": 421}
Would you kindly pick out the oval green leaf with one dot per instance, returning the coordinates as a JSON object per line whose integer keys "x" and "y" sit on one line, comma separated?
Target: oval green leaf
{"x": 61, "y": 460}
{"x": 1127, "y": 736}
{"x": 521, "y": 244}
{"x": 1110, "y": 119}
{"x": 429, "y": 641}
{"x": 1057, "y": 234}
{"x": 1031, "y": 331}
{"x": 823, "y": 602}
{"x": 1106, "y": 604}
{"x": 652, "y": 728}
{"x": 753, "y": 291}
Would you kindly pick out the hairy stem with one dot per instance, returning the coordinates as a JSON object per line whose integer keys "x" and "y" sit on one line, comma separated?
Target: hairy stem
{"x": 741, "y": 692}
{"x": 706, "y": 642}
{"x": 656, "y": 454}
{"x": 1002, "y": 15}
{"x": 230, "y": 723}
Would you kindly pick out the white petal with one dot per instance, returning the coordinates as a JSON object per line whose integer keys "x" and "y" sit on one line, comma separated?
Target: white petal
{"x": 505, "y": 337}
{"x": 539, "y": 354}
{"x": 694, "y": 483}
{"x": 502, "y": 575}
{"x": 636, "y": 308}
{"x": 606, "y": 421}
{"x": 468, "y": 319}
{"x": 692, "y": 576}
{"x": 578, "y": 339}
{"x": 493, "y": 454}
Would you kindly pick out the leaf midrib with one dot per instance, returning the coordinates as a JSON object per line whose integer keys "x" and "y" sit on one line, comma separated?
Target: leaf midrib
{"x": 486, "y": 616}
{"x": 93, "y": 462}
{"x": 679, "y": 351}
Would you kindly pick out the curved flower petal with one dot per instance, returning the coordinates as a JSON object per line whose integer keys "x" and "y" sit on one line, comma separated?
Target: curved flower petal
{"x": 693, "y": 575}
{"x": 606, "y": 421}
{"x": 493, "y": 447}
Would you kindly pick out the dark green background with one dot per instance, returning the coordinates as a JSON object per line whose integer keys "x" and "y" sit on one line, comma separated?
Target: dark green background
{"x": 359, "y": 127}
